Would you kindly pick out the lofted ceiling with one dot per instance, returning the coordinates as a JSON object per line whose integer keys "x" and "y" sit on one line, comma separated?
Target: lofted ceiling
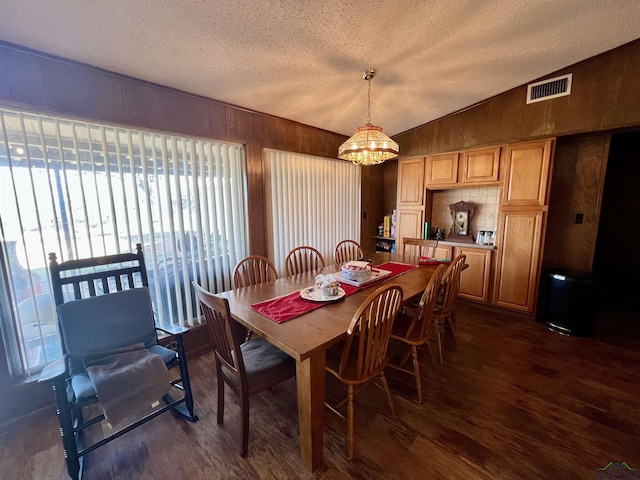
{"x": 303, "y": 59}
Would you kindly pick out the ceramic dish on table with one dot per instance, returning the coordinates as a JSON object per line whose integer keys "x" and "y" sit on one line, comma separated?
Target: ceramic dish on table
{"x": 314, "y": 294}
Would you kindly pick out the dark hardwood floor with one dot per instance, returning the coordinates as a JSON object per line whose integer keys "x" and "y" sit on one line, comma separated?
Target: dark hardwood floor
{"x": 512, "y": 401}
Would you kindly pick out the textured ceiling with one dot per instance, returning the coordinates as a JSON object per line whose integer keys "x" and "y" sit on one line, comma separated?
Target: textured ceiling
{"x": 302, "y": 60}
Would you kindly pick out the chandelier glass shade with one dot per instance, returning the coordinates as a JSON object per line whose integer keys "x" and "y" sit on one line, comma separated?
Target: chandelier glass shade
{"x": 368, "y": 146}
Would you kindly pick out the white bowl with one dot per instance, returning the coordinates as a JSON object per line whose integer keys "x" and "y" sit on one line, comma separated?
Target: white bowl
{"x": 356, "y": 275}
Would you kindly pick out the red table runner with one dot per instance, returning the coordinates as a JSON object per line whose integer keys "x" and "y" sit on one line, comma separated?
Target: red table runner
{"x": 281, "y": 309}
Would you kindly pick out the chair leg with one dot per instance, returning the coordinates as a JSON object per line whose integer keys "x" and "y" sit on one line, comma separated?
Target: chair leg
{"x": 65, "y": 418}
{"x": 186, "y": 383}
{"x": 439, "y": 342}
{"x": 433, "y": 362}
{"x": 452, "y": 321}
{"x": 385, "y": 385}
{"x": 416, "y": 372}
{"x": 245, "y": 424}
{"x": 220, "y": 382}
{"x": 350, "y": 413}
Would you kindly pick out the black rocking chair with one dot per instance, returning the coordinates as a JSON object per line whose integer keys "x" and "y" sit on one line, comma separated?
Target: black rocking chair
{"x": 104, "y": 308}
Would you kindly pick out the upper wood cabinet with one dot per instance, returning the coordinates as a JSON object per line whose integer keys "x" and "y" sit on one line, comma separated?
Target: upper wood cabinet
{"x": 411, "y": 182}
{"x": 480, "y": 166}
{"x": 442, "y": 169}
{"x": 527, "y": 173}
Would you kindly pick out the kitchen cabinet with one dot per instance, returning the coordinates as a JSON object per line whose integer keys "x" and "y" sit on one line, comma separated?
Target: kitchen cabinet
{"x": 527, "y": 173}
{"x": 480, "y": 166}
{"x": 443, "y": 252}
{"x": 410, "y": 182}
{"x": 442, "y": 170}
{"x": 518, "y": 262}
{"x": 408, "y": 224}
{"x": 508, "y": 275}
{"x": 475, "y": 280}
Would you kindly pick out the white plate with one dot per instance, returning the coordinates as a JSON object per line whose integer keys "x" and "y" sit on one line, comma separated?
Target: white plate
{"x": 314, "y": 294}
{"x": 376, "y": 274}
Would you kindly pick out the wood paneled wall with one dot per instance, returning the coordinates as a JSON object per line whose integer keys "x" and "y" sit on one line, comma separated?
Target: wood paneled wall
{"x": 577, "y": 183}
{"x": 39, "y": 82}
{"x": 605, "y": 95}
{"x": 379, "y": 185}
{"x": 44, "y": 83}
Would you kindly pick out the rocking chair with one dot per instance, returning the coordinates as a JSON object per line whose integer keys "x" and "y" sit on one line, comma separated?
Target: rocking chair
{"x": 106, "y": 319}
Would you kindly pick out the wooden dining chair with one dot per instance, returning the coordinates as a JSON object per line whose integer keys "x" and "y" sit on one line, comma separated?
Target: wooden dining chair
{"x": 416, "y": 329}
{"x": 348, "y": 250}
{"x": 252, "y": 270}
{"x": 363, "y": 354}
{"x": 419, "y": 247}
{"x": 445, "y": 310}
{"x": 302, "y": 259}
{"x": 248, "y": 368}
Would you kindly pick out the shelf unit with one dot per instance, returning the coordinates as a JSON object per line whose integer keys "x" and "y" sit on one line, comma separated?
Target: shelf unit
{"x": 384, "y": 244}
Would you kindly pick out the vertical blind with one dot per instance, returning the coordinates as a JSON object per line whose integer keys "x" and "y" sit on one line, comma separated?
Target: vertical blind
{"x": 82, "y": 190}
{"x": 311, "y": 201}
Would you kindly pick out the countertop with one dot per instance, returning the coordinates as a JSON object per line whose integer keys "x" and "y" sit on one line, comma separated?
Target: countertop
{"x": 466, "y": 244}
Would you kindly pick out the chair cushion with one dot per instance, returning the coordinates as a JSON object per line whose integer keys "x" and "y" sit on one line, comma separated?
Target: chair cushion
{"x": 106, "y": 322}
{"x": 265, "y": 365}
{"x": 169, "y": 356}
{"x": 83, "y": 387}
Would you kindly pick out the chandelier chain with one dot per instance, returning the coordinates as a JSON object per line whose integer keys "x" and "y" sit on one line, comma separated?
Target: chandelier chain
{"x": 369, "y": 104}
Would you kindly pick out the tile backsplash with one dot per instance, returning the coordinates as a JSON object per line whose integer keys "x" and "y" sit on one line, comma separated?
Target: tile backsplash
{"x": 485, "y": 199}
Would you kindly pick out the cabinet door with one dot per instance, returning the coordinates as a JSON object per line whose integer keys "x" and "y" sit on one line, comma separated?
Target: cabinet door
{"x": 443, "y": 252}
{"x": 408, "y": 224}
{"x": 475, "y": 279}
{"x": 480, "y": 166}
{"x": 411, "y": 182}
{"x": 442, "y": 169}
{"x": 517, "y": 268}
{"x": 527, "y": 173}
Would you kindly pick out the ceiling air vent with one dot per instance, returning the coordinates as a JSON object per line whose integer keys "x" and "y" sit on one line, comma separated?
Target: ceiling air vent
{"x": 550, "y": 88}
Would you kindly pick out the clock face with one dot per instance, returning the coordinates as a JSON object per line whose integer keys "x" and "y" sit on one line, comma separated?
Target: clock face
{"x": 460, "y": 223}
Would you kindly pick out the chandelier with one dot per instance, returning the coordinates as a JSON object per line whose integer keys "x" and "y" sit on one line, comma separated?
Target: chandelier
{"x": 368, "y": 146}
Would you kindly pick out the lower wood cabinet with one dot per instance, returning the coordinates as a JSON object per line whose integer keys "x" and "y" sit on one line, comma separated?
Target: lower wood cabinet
{"x": 443, "y": 252}
{"x": 408, "y": 224}
{"x": 476, "y": 278}
{"x": 517, "y": 265}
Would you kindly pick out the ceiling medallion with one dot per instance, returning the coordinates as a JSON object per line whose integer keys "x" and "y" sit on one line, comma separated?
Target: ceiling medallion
{"x": 368, "y": 146}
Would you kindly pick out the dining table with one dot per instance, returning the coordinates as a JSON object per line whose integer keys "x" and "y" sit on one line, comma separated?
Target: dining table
{"x": 307, "y": 337}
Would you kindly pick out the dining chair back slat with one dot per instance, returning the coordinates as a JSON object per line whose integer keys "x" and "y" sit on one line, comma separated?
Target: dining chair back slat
{"x": 253, "y": 270}
{"x": 419, "y": 247}
{"x": 348, "y": 250}
{"x": 303, "y": 259}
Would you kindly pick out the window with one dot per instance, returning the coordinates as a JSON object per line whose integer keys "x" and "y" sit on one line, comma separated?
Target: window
{"x": 311, "y": 201}
{"x": 81, "y": 190}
